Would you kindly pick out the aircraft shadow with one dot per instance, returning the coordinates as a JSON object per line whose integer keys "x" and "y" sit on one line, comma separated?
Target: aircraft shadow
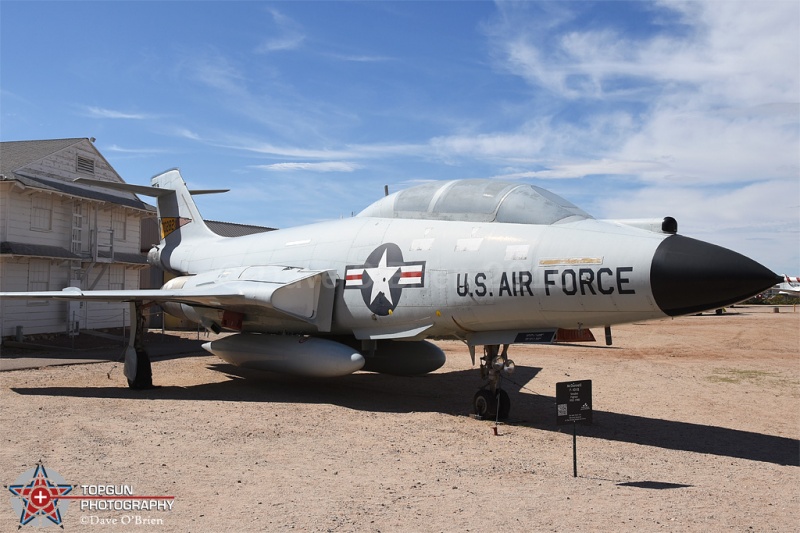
{"x": 158, "y": 349}
{"x": 451, "y": 393}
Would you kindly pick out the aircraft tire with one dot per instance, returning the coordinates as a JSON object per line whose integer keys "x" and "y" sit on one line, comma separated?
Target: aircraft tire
{"x": 483, "y": 404}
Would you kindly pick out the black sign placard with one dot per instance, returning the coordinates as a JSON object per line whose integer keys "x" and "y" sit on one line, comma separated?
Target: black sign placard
{"x": 574, "y": 402}
{"x": 535, "y": 337}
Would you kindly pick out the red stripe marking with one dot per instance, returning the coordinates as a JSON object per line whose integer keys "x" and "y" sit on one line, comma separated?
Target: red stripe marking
{"x": 114, "y": 497}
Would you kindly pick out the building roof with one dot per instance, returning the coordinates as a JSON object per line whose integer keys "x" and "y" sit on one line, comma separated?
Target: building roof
{"x": 16, "y": 155}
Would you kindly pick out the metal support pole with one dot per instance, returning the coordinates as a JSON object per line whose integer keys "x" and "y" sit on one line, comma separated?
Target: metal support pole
{"x": 574, "y": 449}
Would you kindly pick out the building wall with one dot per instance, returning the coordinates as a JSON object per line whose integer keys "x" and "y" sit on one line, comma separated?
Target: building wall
{"x": 34, "y": 317}
{"x": 38, "y": 217}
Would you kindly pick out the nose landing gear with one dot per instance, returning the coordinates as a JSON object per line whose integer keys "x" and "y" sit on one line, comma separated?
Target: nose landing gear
{"x": 492, "y": 401}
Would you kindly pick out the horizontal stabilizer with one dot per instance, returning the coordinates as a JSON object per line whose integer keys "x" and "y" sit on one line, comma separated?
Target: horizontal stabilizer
{"x": 144, "y": 190}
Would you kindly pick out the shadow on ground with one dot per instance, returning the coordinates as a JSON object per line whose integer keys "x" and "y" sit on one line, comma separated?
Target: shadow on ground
{"x": 451, "y": 393}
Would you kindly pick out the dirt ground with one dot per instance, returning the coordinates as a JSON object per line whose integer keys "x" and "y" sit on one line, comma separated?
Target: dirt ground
{"x": 696, "y": 427}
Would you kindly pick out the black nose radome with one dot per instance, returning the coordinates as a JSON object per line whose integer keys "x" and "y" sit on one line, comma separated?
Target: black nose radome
{"x": 689, "y": 276}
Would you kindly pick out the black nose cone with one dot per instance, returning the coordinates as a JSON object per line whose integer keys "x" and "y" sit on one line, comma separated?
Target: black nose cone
{"x": 689, "y": 276}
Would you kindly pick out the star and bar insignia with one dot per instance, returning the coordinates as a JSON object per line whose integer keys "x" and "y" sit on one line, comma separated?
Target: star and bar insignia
{"x": 383, "y": 276}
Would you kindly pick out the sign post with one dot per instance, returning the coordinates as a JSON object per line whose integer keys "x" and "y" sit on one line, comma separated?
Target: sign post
{"x": 574, "y": 402}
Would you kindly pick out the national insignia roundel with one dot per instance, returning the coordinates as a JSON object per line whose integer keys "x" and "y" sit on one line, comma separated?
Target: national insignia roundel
{"x": 383, "y": 276}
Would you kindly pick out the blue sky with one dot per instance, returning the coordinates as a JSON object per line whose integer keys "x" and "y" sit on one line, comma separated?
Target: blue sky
{"x": 307, "y": 109}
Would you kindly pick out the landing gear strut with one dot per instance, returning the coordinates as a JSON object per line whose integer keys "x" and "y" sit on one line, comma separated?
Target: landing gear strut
{"x": 137, "y": 361}
{"x": 492, "y": 401}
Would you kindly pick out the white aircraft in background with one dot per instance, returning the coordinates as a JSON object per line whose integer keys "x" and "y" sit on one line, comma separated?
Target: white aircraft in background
{"x": 489, "y": 262}
{"x": 790, "y": 286}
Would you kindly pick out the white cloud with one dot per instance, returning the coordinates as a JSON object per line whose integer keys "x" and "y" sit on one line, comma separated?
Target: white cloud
{"x": 324, "y": 166}
{"x": 360, "y": 58}
{"x": 285, "y": 34}
{"x": 101, "y": 112}
{"x": 590, "y": 168}
{"x": 719, "y": 98}
{"x": 701, "y": 118}
{"x": 271, "y": 150}
{"x": 186, "y": 134}
{"x": 343, "y": 152}
{"x": 711, "y": 147}
{"x": 732, "y": 53}
{"x": 142, "y": 151}
{"x": 213, "y": 70}
{"x": 492, "y": 145}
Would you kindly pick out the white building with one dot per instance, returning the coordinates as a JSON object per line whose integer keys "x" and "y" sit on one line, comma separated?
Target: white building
{"x": 55, "y": 233}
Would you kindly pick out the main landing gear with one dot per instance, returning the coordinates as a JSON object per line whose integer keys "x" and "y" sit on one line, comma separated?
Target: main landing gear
{"x": 137, "y": 361}
{"x": 491, "y": 401}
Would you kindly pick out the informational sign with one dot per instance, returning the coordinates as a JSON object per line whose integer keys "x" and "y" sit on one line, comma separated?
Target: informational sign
{"x": 574, "y": 402}
{"x": 535, "y": 337}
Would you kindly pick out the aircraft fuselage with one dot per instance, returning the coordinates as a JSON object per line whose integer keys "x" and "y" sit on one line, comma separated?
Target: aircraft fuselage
{"x": 455, "y": 277}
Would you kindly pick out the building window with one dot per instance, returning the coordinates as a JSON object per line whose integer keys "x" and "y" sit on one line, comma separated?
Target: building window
{"x": 116, "y": 278}
{"x": 118, "y": 224}
{"x": 85, "y": 165}
{"x": 38, "y": 278}
{"x": 41, "y": 213}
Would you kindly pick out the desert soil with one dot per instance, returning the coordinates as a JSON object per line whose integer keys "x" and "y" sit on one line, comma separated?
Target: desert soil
{"x": 696, "y": 427}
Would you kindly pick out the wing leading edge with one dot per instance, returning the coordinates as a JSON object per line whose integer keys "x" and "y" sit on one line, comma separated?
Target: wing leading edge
{"x": 305, "y": 295}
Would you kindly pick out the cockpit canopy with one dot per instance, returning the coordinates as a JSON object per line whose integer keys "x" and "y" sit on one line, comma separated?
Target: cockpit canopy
{"x": 477, "y": 200}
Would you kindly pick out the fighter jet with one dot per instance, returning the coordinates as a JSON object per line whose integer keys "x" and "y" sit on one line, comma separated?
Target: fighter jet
{"x": 790, "y": 286}
{"x": 489, "y": 262}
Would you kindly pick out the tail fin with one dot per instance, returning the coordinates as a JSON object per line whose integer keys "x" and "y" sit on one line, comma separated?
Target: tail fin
{"x": 178, "y": 216}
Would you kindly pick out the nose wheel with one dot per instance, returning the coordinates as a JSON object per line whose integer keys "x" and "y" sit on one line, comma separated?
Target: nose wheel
{"x": 492, "y": 401}
{"x": 488, "y": 406}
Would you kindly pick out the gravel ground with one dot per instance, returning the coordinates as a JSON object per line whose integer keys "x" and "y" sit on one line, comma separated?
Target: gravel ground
{"x": 696, "y": 427}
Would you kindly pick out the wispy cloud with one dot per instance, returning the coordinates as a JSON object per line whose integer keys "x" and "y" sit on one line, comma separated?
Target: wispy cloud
{"x": 341, "y": 152}
{"x": 591, "y": 168}
{"x": 324, "y": 166}
{"x": 212, "y": 69}
{"x": 709, "y": 102}
{"x": 186, "y": 133}
{"x": 360, "y": 58}
{"x": 271, "y": 150}
{"x": 698, "y": 117}
{"x": 142, "y": 151}
{"x": 729, "y": 51}
{"x": 101, "y": 112}
{"x": 284, "y": 34}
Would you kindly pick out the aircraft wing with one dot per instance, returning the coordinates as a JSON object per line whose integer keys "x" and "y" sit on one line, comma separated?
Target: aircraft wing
{"x": 306, "y": 295}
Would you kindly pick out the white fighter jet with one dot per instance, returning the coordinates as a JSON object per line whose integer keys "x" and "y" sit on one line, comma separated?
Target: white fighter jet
{"x": 790, "y": 286}
{"x": 489, "y": 262}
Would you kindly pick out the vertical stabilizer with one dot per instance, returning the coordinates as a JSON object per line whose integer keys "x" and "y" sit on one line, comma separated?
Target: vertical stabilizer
{"x": 178, "y": 217}
{"x": 180, "y": 223}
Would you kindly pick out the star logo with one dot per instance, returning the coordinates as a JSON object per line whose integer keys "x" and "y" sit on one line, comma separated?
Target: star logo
{"x": 383, "y": 276}
{"x": 37, "y": 495}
